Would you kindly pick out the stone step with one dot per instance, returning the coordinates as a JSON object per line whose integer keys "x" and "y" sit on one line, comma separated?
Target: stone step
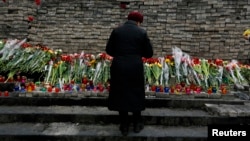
{"x": 227, "y": 110}
{"x": 180, "y": 101}
{"x": 101, "y": 115}
{"x": 88, "y": 119}
{"x": 66, "y": 131}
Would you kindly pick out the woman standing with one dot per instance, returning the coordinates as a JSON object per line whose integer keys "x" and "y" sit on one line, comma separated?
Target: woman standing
{"x": 127, "y": 45}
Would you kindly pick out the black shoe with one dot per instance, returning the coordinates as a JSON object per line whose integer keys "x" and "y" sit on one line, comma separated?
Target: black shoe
{"x": 124, "y": 130}
{"x": 138, "y": 127}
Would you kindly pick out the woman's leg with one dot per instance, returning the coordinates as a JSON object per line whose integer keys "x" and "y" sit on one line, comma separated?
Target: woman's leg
{"x": 138, "y": 121}
{"x": 124, "y": 122}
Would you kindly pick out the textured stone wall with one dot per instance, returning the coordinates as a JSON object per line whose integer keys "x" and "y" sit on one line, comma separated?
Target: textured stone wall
{"x": 202, "y": 28}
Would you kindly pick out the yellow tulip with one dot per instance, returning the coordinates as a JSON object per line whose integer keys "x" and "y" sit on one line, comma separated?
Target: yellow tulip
{"x": 246, "y": 32}
{"x": 159, "y": 65}
{"x": 167, "y": 60}
{"x": 92, "y": 61}
{"x": 55, "y": 65}
{"x": 50, "y": 51}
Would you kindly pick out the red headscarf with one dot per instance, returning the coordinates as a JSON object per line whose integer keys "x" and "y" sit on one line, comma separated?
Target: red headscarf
{"x": 135, "y": 16}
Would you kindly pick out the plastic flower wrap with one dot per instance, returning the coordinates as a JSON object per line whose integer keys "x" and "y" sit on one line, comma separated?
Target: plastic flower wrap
{"x": 49, "y": 69}
{"x": 245, "y": 71}
{"x": 7, "y": 51}
{"x": 205, "y": 70}
{"x": 102, "y": 71}
{"x": 235, "y": 73}
{"x": 166, "y": 68}
{"x": 215, "y": 73}
{"x": 54, "y": 73}
{"x": 62, "y": 68}
{"x": 10, "y": 47}
{"x": 90, "y": 61}
{"x": 197, "y": 71}
{"x": 147, "y": 70}
{"x": 240, "y": 77}
{"x": 162, "y": 63}
{"x": 10, "y": 52}
{"x": 169, "y": 62}
{"x": 185, "y": 66}
{"x": 156, "y": 69}
{"x": 177, "y": 53}
{"x": 19, "y": 56}
{"x": 78, "y": 67}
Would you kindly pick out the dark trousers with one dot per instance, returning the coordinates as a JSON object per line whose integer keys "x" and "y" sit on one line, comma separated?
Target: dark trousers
{"x": 124, "y": 118}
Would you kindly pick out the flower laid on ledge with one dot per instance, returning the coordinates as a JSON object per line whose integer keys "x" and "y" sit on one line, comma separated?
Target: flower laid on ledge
{"x": 177, "y": 73}
{"x": 19, "y": 56}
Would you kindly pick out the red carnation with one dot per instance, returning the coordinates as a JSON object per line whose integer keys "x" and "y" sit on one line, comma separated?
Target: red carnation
{"x": 38, "y": 2}
{"x": 30, "y": 18}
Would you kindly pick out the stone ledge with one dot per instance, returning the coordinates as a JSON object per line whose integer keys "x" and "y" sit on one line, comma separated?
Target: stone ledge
{"x": 151, "y": 102}
{"x": 227, "y": 110}
{"x": 87, "y": 94}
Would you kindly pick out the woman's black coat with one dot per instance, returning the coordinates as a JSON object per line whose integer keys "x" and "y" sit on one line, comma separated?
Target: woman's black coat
{"x": 127, "y": 45}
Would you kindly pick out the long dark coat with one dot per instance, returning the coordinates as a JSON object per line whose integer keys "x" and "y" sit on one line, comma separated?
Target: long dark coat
{"x": 127, "y": 45}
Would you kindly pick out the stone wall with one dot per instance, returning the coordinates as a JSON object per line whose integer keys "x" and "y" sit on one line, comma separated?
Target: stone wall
{"x": 202, "y": 28}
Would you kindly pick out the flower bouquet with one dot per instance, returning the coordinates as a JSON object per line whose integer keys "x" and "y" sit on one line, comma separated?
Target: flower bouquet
{"x": 102, "y": 72}
{"x": 156, "y": 69}
{"x": 169, "y": 69}
{"x": 18, "y": 56}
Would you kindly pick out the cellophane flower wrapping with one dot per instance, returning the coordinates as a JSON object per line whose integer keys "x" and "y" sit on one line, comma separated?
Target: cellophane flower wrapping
{"x": 156, "y": 69}
{"x": 165, "y": 73}
{"x": 102, "y": 70}
{"x": 205, "y": 72}
{"x": 245, "y": 71}
{"x": 197, "y": 71}
{"x": 235, "y": 73}
{"x": 147, "y": 72}
{"x": 215, "y": 73}
{"x": 162, "y": 62}
{"x": 185, "y": 66}
{"x": 177, "y": 53}
{"x": 19, "y": 56}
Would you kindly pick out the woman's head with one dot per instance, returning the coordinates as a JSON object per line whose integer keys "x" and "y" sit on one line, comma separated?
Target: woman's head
{"x": 135, "y": 16}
